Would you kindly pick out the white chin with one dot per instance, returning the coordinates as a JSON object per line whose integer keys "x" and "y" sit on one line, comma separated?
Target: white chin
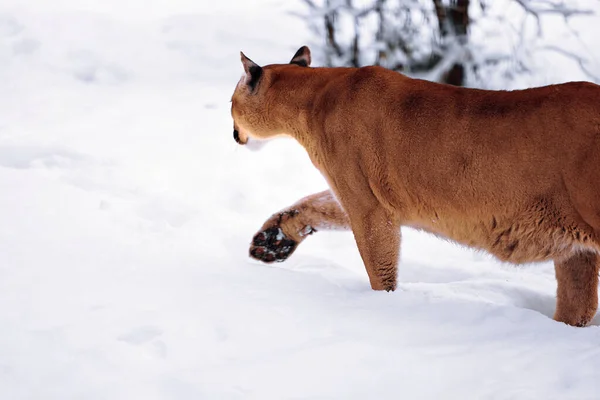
{"x": 254, "y": 144}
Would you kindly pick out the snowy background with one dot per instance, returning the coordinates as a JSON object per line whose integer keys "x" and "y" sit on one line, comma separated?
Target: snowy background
{"x": 126, "y": 210}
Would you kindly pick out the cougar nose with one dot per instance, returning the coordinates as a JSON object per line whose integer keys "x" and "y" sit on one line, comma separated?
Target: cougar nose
{"x": 236, "y": 136}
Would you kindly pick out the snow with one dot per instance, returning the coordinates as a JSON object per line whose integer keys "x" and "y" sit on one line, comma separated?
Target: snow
{"x": 126, "y": 214}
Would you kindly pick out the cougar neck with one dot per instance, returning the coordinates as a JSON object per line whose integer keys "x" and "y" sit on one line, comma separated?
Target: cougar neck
{"x": 295, "y": 91}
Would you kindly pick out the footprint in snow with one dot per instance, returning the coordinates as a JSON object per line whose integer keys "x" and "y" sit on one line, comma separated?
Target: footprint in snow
{"x": 24, "y": 157}
{"x": 141, "y": 335}
{"x": 9, "y": 26}
{"x": 146, "y": 336}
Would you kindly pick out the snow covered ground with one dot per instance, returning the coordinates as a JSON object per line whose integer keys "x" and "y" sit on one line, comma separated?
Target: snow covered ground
{"x": 126, "y": 210}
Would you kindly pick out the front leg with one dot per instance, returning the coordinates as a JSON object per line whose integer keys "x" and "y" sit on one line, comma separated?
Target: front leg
{"x": 281, "y": 234}
{"x": 577, "y": 294}
{"x": 378, "y": 240}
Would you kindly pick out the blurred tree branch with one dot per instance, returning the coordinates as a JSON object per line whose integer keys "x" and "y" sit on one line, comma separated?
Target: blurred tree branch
{"x": 433, "y": 39}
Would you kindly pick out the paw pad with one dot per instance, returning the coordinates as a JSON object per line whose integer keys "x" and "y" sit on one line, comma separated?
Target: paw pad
{"x": 272, "y": 245}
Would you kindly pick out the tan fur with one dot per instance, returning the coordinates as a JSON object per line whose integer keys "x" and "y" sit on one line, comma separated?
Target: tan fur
{"x": 514, "y": 173}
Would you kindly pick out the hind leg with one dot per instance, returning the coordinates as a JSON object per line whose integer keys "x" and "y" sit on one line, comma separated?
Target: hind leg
{"x": 281, "y": 234}
{"x": 577, "y": 296}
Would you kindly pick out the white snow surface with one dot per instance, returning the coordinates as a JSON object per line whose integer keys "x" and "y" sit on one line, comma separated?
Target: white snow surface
{"x": 126, "y": 210}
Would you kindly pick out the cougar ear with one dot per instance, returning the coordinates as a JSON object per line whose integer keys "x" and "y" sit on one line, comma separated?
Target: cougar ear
{"x": 253, "y": 71}
{"x": 302, "y": 57}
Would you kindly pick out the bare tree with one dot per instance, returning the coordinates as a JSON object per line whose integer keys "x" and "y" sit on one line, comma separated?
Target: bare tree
{"x": 451, "y": 41}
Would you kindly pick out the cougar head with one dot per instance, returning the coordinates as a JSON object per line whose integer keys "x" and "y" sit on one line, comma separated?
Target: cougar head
{"x": 252, "y": 103}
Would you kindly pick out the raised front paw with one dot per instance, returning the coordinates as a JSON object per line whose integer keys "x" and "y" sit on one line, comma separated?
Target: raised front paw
{"x": 280, "y": 236}
{"x": 272, "y": 245}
